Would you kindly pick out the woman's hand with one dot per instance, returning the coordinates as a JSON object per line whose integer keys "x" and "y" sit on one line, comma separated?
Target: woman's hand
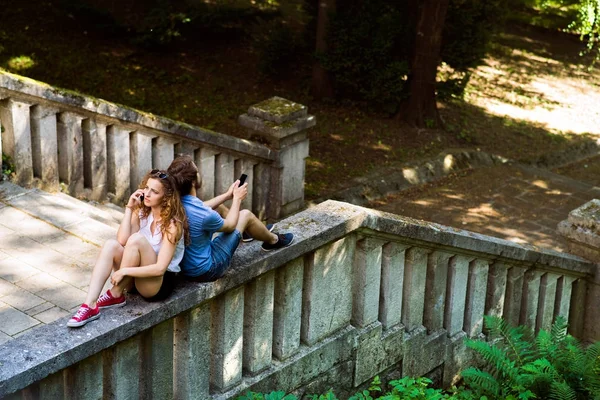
{"x": 117, "y": 277}
{"x": 135, "y": 199}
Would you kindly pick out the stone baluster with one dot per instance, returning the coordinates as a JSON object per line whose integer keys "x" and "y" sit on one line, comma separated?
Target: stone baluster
{"x": 16, "y": 138}
{"x": 545, "y": 315}
{"x": 119, "y": 176}
{"x": 284, "y": 124}
{"x": 563, "y": 296}
{"x": 496, "y": 289}
{"x": 50, "y": 388}
{"x": 95, "y": 159}
{"x": 157, "y": 362}
{"x": 435, "y": 290}
{"x": 205, "y": 161}
{"x": 456, "y": 295}
{"x": 84, "y": 380}
{"x": 44, "y": 146}
{"x": 578, "y": 313}
{"x": 327, "y": 301}
{"x": 392, "y": 280}
{"x": 140, "y": 156}
{"x": 246, "y": 167}
{"x": 192, "y": 353}
{"x": 124, "y": 369}
{"x": 163, "y": 152}
{"x": 476, "y": 295}
{"x": 70, "y": 151}
{"x": 531, "y": 296}
{"x": 413, "y": 302}
{"x": 227, "y": 339}
{"x": 224, "y": 173}
{"x": 288, "y": 308}
{"x": 367, "y": 281}
{"x": 514, "y": 295}
{"x": 258, "y": 323}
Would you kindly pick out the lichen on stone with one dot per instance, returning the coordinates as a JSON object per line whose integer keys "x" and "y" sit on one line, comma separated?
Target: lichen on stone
{"x": 278, "y": 106}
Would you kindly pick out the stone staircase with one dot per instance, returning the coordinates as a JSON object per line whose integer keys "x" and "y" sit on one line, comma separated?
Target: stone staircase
{"x": 48, "y": 244}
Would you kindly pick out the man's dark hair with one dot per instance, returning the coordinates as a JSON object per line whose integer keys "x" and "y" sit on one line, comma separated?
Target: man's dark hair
{"x": 184, "y": 171}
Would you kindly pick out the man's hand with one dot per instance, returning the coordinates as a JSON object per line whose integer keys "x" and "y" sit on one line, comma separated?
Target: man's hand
{"x": 229, "y": 191}
{"x": 239, "y": 192}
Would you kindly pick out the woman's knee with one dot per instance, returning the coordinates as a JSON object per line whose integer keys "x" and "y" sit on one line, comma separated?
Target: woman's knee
{"x": 135, "y": 240}
{"x": 113, "y": 246}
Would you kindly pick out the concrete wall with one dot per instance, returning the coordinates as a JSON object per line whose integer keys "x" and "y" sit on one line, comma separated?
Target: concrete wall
{"x": 359, "y": 293}
{"x": 100, "y": 150}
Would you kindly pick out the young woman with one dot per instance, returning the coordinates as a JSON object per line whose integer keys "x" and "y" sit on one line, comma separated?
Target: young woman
{"x": 206, "y": 259}
{"x": 146, "y": 253}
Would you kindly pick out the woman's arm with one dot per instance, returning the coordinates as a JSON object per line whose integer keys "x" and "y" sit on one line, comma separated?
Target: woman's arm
{"x": 131, "y": 220}
{"x": 165, "y": 255}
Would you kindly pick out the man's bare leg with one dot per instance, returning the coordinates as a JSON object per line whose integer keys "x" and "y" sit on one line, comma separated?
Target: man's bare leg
{"x": 249, "y": 223}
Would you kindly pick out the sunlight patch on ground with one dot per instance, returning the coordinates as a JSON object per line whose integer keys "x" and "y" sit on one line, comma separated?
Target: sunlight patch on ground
{"x": 541, "y": 184}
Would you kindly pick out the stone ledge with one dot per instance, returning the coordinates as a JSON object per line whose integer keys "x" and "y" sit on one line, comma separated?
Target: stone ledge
{"x": 51, "y": 348}
{"x": 272, "y": 128}
{"x": 20, "y": 87}
{"x": 278, "y": 110}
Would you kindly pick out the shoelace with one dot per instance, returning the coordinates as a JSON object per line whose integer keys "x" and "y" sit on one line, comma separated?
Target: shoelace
{"x": 81, "y": 312}
{"x": 104, "y": 297}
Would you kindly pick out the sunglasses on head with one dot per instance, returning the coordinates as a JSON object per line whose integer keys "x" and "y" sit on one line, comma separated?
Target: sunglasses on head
{"x": 159, "y": 174}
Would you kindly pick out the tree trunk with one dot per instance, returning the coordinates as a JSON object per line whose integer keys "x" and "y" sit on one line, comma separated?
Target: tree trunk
{"x": 421, "y": 108}
{"x": 321, "y": 79}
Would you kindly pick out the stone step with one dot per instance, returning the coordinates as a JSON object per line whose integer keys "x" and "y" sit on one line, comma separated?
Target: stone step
{"x": 91, "y": 222}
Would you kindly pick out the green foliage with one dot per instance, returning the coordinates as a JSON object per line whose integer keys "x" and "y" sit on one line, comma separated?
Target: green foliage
{"x": 7, "y": 166}
{"x": 368, "y": 55}
{"x": 401, "y": 389}
{"x": 277, "y": 45}
{"x": 552, "y": 365}
{"x": 162, "y": 25}
{"x": 587, "y": 24}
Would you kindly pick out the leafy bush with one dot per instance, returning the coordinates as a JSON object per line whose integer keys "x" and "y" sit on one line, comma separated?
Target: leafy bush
{"x": 277, "y": 45}
{"x": 552, "y": 365}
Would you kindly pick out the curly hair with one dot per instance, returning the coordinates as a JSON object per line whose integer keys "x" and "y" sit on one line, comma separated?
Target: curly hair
{"x": 185, "y": 172}
{"x": 171, "y": 207}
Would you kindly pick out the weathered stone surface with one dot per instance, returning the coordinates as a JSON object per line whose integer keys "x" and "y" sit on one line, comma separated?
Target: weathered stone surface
{"x": 224, "y": 172}
{"x": 44, "y": 146}
{"x": 458, "y": 275}
{"x": 563, "y": 296}
{"x": 227, "y": 339}
{"x": 163, "y": 152}
{"x": 496, "y": 289}
{"x": 328, "y": 292}
{"x": 547, "y": 301}
{"x": 119, "y": 160}
{"x": 258, "y": 323}
{"x": 278, "y": 131}
{"x": 367, "y": 280}
{"x": 95, "y": 159}
{"x": 423, "y": 352}
{"x": 125, "y": 360}
{"x": 70, "y": 151}
{"x": 392, "y": 282}
{"x": 476, "y": 294}
{"x": 377, "y": 350}
{"x": 514, "y": 294}
{"x": 435, "y": 290}
{"x": 205, "y": 161}
{"x": 278, "y": 109}
{"x": 140, "y": 151}
{"x": 16, "y": 138}
{"x": 191, "y": 342}
{"x": 413, "y": 302}
{"x": 531, "y": 295}
{"x": 288, "y": 308}
{"x": 157, "y": 380}
{"x": 84, "y": 380}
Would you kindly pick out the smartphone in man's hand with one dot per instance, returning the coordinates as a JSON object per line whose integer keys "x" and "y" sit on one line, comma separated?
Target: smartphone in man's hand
{"x": 243, "y": 179}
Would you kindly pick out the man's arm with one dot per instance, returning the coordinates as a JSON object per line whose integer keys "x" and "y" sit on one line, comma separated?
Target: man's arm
{"x": 231, "y": 220}
{"x": 222, "y": 198}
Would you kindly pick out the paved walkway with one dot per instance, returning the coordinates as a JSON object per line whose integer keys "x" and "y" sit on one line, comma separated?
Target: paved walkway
{"x": 514, "y": 202}
{"x": 45, "y": 266}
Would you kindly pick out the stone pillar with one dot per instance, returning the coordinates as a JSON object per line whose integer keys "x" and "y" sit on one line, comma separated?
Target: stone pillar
{"x": 140, "y": 154}
{"x": 435, "y": 290}
{"x": 119, "y": 161}
{"x": 70, "y": 152}
{"x": 476, "y": 295}
{"x": 367, "y": 280}
{"x": 392, "y": 280}
{"x": 95, "y": 159}
{"x": 284, "y": 123}
{"x": 582, "y": 232}
{"x": 413, "y": 302}
{"x": 163, "y": 152}
{"x": 456, "y": 295}
{"x": 288, "y": 308}
{"x": 16, "y": 138}
{"x": 44, "y": 146}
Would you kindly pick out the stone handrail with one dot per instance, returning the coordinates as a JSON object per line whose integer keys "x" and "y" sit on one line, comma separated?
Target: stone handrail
{"x": 100, "y": 150}
{"x": 359, "y": 293}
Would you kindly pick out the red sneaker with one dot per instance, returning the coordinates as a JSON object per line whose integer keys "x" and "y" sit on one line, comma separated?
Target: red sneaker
{"x": 84, "y": 315}
{"x": 107, "y": 300}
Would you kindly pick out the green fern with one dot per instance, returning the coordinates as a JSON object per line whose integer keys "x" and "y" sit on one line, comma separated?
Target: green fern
{"x": 552, "y": 365}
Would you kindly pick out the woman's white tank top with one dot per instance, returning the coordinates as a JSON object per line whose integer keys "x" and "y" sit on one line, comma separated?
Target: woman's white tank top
{"x": 155, "y": 241}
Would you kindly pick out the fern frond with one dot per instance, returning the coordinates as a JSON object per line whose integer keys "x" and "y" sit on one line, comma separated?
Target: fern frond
{"x": 496, "y": 357}
{"x": 562, "y": 391}
{"x": 558, "y": 332}
{"x": 481, "y": 381}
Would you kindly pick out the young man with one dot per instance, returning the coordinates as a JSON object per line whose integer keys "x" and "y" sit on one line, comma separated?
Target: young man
{"x": 205, "y": 259}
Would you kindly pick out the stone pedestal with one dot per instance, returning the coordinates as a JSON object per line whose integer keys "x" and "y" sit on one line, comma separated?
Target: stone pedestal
{"x": 283, "y": 123}
{"x": 582, "y": 232}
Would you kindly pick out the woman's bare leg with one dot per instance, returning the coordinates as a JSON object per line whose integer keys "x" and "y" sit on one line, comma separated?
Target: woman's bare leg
{"x": 138, "y": 252}
{"x": 108, "y": 259}
{"x": 248, "y": 222}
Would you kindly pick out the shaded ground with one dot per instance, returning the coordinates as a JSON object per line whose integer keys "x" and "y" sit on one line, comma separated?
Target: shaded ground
{"x": 532, "y": 97}
{"x": 514, "y": 202}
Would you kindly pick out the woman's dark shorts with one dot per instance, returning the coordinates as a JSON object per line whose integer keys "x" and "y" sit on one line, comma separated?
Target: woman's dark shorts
{"x": 170, "y": 280}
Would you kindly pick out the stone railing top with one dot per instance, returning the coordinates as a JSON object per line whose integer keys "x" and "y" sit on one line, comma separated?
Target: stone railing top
{"x": 26, "y": 89}
{"x": 48, "y": 349}
{"x": 278, "y": 109}
{"x": 587, "y": 216}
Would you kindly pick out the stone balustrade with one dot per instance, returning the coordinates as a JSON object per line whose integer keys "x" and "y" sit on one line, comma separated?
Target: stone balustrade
{"x": 359, "y": 293}
{"x": 100, "y": 151}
